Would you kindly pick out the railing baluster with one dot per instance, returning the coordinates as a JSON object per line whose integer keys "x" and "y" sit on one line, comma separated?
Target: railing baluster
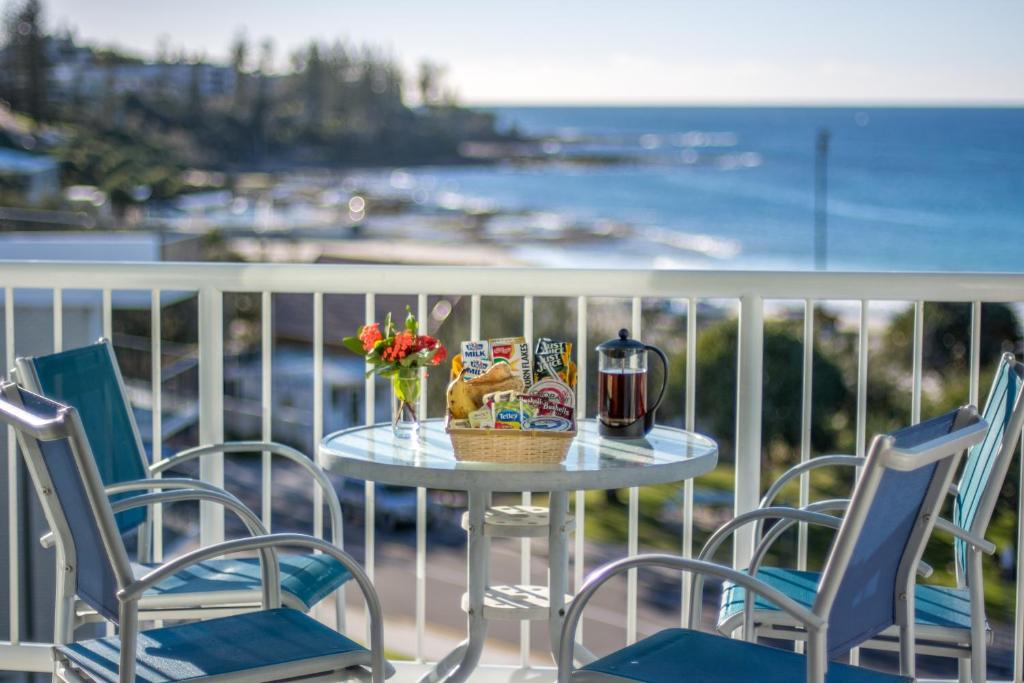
{"x": 474, "y": 317}
{"x": 13, "y": 530}
{"x": 691, "y": 419}
{"x": 266, "y": 404}
{"x": 421, "y": 508}
{"x": 527, "y": 499}
{"x": 915, "y": 399}
{"x": 1018, "y": 622}
{"x": 211, "y": 406}
{"x": 156, "y": 438}
{"x": 58, "y": 320}
{"x": 580, "y": 506}
{"x": 369, "y": 508}
{"x": 108, "y": 314}
{"x": 862, "y": 379}
{"x": 633, "y": 538}
{"x": 318, "y": 406}
{"x": 975, "y": 352}
{"x": 805, "y": 427}
{"x": 749, "y": 381}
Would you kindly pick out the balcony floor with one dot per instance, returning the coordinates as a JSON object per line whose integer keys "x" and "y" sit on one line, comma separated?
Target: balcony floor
{"x": 407, "y": 672}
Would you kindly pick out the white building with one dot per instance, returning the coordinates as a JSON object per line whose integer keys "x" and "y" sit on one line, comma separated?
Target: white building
{"x": 35, "y": 176}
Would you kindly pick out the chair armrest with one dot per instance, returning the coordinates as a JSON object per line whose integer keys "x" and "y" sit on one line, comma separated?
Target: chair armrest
{"x": 760, "y": 514}
{"x": 981, "y": 544}
{"x": 163, "y": 484}
{"x": 249, "y": 519}
{"x": 831, "y": 505}
{"x": 753, "y": 517}
{"x": 135, "y": 590}
{"x": 268, "y": 563}
{"x": 808, "y": 466}
{"x": 47, "y": 539}
{"x": 811, "y": 621}
{"x": 773, "y": 534}
{"x": 803, "y": 468}
{"x": 298, "y": 457}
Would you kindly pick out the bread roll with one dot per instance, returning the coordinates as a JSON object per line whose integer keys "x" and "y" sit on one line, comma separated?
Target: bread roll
{"x": 465, "y": 396}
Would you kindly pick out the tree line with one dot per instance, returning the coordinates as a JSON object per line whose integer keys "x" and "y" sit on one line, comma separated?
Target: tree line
{"x": 329, "y": 104}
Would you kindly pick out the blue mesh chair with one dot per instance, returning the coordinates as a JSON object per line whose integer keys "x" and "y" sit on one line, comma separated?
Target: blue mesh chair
{"x": 865, "y": 589}
{"x": 89, "y": 380}
{"x": 271, "y": 643}
{"x": 950, "y": 619}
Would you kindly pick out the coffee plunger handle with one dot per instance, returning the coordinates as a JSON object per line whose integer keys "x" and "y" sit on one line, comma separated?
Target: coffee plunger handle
{"x": 664, "y": 377}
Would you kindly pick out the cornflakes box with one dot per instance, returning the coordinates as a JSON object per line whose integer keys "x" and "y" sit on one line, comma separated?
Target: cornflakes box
{"x": 517, "y": 352}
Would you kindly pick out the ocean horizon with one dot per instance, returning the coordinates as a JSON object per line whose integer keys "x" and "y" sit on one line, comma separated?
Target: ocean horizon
{"x": 927, "y": 188}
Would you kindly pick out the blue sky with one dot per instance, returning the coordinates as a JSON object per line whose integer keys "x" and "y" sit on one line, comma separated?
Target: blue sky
{"x": 648, "y": 52}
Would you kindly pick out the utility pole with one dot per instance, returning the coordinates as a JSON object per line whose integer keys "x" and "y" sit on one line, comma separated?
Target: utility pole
{"x": 821, "y": 200}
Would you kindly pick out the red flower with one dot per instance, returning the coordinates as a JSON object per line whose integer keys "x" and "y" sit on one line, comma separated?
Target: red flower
{"x": 439, "y": 355}
{"x": 369, "y": 335}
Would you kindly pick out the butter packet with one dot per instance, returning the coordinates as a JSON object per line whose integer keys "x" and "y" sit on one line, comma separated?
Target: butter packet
{"x": 481, "y": 418}
{"x": 517, "y": 352}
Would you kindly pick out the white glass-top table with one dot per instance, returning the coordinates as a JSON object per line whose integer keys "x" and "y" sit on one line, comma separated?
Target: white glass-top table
{"x": 373, "y": 454}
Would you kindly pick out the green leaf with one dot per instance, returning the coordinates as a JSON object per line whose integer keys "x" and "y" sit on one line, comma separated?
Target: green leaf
{"x": 410, "y": 320}
{"x": 354, "y": 345}
{"x": 389, "y": 327}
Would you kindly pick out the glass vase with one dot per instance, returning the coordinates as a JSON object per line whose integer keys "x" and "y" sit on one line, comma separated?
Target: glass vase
{"x": 405, "y": 395}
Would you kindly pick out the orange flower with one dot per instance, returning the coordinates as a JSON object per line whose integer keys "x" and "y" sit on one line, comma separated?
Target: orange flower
{"x": 369, "y": 335}
{"x": 399, "y": 348}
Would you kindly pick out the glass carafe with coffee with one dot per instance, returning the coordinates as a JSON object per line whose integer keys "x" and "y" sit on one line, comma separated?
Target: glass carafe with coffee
{"x": 622, "y": 407}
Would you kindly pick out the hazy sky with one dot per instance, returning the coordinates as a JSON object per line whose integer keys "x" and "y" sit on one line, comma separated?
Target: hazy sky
{"x": 569, "y": 51}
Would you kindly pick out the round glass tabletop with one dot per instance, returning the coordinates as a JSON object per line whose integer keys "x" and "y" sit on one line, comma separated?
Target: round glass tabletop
{"x": 373, "y": 454}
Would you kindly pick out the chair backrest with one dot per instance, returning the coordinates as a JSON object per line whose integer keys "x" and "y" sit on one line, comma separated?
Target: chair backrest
{"x": 987, "y": 463}
{"x": 66, "y": 479}
{"x": 891, "y": 513}
{"x": 88, "y": 380}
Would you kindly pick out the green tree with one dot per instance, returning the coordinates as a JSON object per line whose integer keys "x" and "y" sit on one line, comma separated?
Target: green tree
{"x": 946, "y": 336}
{"x": 782, "y": 389}
{"x": 429, "y": 80}
{"x": 195, "y": 91}
{"x": 313, "y": 81}
{"x": 25, "y": 65}
{"x": 239, "y": 62}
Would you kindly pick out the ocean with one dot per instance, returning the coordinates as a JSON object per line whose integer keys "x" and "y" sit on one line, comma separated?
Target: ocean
{"x": 909, "y": 189}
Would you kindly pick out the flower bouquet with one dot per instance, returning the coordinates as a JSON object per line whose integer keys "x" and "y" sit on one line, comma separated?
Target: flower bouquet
{"x": 399, "y": 355}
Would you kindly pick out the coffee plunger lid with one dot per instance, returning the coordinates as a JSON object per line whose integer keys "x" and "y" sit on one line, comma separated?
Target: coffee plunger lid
{"x": 623, "y": 346}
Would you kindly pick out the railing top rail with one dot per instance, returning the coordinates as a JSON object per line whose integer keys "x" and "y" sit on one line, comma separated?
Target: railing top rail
{"x": 489, "y": 281}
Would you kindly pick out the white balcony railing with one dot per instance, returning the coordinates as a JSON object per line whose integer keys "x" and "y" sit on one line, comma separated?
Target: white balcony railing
{"x": 750, "y": 289}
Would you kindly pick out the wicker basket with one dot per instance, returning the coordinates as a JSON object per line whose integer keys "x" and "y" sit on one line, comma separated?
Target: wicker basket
{"x": 509, "y": 445}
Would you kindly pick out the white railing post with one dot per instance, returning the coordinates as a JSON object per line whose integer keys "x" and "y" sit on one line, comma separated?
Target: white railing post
{"x": 211, "y": 406}
{"x": 13, "y": 493}
{"x": 749, "y": 380}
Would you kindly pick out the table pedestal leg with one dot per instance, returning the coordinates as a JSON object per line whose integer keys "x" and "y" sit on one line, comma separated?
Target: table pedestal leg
{"x": 558, "y": 565}
{"x": 460, "y": 662}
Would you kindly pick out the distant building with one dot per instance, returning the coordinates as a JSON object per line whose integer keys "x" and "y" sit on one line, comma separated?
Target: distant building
{"x": 73, "y": 79}
{"x": 34, "y": 177}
